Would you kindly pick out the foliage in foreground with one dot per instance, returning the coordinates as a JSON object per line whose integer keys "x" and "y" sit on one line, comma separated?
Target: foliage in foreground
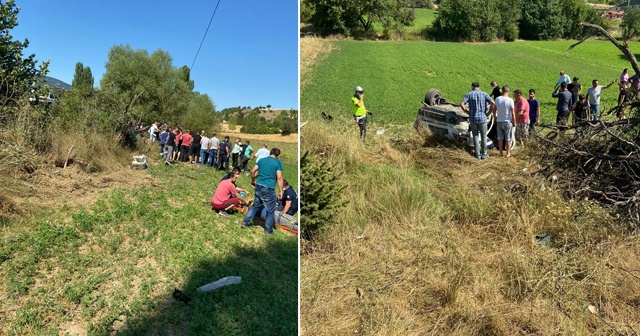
{"x": 320, "y": 195}
{"x": 111, "y": 266}
{"x": 433, "y": 241}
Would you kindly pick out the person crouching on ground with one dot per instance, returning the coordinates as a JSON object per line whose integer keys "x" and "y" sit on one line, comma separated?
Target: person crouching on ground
{"x": 505, "y": 116}
{"x": 265, "y": 175}
{"x": 289, "y": 199}
{"x": 222, "y": 200}
{"x": 360, "y": 112}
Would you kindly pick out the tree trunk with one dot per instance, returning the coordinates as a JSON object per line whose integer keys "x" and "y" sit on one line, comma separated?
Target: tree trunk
{"x": 623, "y": 47}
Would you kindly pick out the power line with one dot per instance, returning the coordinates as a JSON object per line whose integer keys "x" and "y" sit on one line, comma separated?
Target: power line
{"x": 205, "y": 34}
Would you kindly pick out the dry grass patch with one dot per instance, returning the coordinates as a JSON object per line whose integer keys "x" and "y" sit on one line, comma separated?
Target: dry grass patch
{"x": 435, "y": 242}
{"x": 314, "y": 49}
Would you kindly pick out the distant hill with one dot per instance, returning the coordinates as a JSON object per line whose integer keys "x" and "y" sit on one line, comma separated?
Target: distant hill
{"x": 56, "y": 83}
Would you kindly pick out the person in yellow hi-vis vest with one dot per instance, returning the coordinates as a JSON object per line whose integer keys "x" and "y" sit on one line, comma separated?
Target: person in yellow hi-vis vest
{"x": 359, "y": 111}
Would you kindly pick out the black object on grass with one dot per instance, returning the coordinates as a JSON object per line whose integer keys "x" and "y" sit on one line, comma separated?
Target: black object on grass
{"x": 180, "y": 296}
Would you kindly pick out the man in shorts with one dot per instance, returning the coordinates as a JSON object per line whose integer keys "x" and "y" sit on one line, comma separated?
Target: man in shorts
{"x": 505, "y": 116}
{"x": 521, "y": 106}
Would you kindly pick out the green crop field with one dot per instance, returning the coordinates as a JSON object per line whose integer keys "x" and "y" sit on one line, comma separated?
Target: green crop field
{"x": 423, "y": 18}
{"x": 396, "y": 75}
{"x": 111, "y": 266}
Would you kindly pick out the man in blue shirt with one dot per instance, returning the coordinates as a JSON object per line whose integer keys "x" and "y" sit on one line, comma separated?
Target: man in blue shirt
{"x": 477, "y": 110}
{"x": 264, "y": 176}
{"x": 534, "y": 111}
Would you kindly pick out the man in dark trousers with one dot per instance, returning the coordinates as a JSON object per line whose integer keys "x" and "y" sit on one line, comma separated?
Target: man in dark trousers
{"x": 564, "y": 102}
{"x": 474, "y": 104}
{"x": 265, "y": 175}
{"x": 225, "y": 151}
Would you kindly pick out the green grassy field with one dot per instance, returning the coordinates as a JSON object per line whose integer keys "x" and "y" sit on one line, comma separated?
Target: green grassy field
{"x": 112, "y": 266}
{"x": 396, "y": 75}
{"x": 423, "y": 19}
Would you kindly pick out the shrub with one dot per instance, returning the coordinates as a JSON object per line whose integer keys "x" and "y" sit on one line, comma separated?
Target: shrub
{"x": 319, "y": 195}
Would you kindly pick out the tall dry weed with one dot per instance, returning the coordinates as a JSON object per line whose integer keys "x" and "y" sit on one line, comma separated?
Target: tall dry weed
{"x": 434, "y": 242}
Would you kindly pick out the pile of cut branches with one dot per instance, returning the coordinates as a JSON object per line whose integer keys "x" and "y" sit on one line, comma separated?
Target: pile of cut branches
{"x": 599, "y": 160}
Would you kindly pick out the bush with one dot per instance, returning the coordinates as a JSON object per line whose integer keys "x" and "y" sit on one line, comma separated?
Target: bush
{"x": 319, "y": 195}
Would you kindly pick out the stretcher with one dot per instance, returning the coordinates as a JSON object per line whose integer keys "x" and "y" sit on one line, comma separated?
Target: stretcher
{"x": 284, "y": 221}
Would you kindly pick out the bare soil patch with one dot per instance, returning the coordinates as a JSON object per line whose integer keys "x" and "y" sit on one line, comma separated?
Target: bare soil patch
{"x": 52, "y": 187}
{"x": 291, "y": 138}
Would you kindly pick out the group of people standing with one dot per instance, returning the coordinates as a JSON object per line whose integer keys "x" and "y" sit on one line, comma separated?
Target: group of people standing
{"x": 266, "y": 174}
{"x": 524, "y": 114}
{"x": 199, "y": 148}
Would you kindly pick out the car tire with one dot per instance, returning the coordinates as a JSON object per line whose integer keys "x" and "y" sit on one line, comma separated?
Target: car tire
{"x": 432, "y": 97}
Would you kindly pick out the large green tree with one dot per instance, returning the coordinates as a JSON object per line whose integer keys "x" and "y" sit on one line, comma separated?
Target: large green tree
{"x": 355, "y": 17}
{"x": 82, "y": 78}
{"x": 149, "y": 86}
{"x": 487, "y": 20}
{"x": 630, "y": 24}
{"x": 17, "y": 72}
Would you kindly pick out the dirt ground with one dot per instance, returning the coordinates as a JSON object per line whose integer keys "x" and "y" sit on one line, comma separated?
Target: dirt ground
{"x": 291, "y": 138}
{"x": 52, "y": 187}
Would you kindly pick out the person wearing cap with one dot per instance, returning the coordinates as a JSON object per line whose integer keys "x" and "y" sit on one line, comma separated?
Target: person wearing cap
{"x": 575, "y": 88}
{"x": 265, "y": 176}
{"x": 359, "y": 111}
{"x": 564, "y": 78}
{"x": 474, "y": 104}
{"x": 564, "y": 102}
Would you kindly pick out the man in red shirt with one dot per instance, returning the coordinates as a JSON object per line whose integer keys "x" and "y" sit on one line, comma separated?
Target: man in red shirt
{"x": 521, "y": 107}
{"x": 187, "y": 138}
{"x": 222, "y": 200}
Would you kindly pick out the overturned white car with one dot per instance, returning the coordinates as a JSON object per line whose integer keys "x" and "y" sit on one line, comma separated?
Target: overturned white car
{"x": 442, "y": 117}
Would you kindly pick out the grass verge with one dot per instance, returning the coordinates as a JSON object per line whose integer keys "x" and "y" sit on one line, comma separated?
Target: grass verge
{"x": 111, "y": 266}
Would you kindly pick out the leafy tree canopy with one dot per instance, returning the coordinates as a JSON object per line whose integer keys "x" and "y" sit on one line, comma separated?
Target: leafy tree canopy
{"x": 82, "y": 78}
{"x": 17, "y": 72}
{"x": 630, "y": 24}
{"x": 354, "y": 17}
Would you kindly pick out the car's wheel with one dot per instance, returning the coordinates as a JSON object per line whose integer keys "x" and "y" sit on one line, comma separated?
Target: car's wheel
{"x": 433, "y": 97}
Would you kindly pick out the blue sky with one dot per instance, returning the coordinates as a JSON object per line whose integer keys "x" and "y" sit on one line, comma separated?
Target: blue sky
{"x": 249, "y": 56}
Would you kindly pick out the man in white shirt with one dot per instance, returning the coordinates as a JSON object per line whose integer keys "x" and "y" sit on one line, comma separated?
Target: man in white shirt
{"x": 505, "y": 117}
{"x": 564, "y": 78}
{"x": 152, "y": 131}
{"x": 205, "y": 143}
{"x": 213, "y": 150}
{"x": 593, "y": 95}
{"x": 262, "y": 153}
